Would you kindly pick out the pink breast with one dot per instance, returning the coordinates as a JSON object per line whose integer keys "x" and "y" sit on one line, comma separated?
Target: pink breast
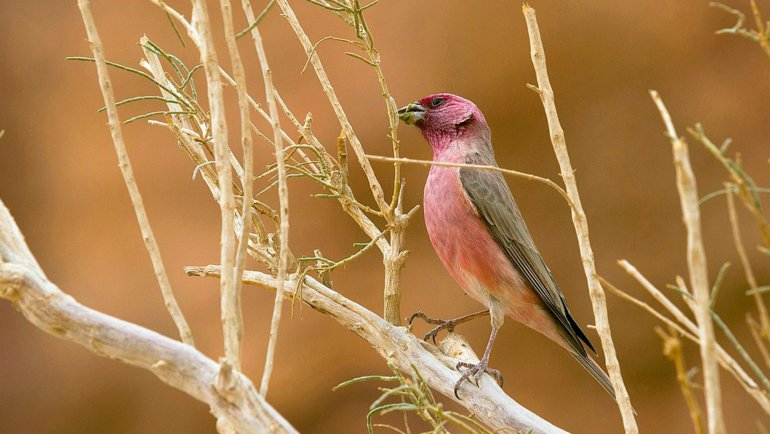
{"x": 462, "y": 241}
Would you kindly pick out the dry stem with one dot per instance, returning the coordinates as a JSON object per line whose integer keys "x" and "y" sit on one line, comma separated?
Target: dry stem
{"x": 128, "y": 175}
{"x": 393, "y": 255}
{"x": 672, "y": 348}
{"x": 696, "y": 262}
{"x": 598, "y": 298}
{"x": 229, "y": 303}
{"x": 282, "y": 194}
{"x": 246, "y": 178}
{"x": 355, "y": 143}
{"x": 750, "y": 278}
{"x": 526, "y": 176}
{"x": 727, "y": 362}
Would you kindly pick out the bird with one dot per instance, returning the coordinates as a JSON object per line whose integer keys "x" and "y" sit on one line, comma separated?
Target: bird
{"x": 481, "y": 238}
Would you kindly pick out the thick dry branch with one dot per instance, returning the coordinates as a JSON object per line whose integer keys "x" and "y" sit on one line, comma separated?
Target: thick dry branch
{"x": 229, "y": 394}
{"x": 128, "y": 175}
{"x": 696, "y": 263}
{"x": 402, "y": 349}
{"x": 598, "y": 298}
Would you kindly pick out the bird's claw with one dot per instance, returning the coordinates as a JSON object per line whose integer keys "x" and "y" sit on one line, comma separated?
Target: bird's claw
{"x": 474, "y": 372}
{"x": 441, "y": 324}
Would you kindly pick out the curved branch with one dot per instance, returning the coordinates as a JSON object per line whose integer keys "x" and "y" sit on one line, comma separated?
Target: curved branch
{"x": 230, "y": 395}
{"x": 397, "y": 346}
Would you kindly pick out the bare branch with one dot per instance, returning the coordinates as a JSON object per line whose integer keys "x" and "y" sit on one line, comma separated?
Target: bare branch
{"x": 179, "y": 365}
{"x": 229, "y": 299}
{"x": 247, "y": 183}
{"x": 402, "y": 349}
{"x": 128, "y": 175}
{"x": 696, "y": 262}
{"x": 750, "y": 278}
{"x": 727, "y": 362}
{"x": 598, "y": 298}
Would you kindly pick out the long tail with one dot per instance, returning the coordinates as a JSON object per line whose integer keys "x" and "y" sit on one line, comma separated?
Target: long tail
{"x": 590, "y": 365}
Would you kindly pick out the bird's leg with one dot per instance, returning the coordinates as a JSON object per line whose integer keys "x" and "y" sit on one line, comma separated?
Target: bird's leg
{"x": 475, "y": 370}
{"x": 441, "y": 324}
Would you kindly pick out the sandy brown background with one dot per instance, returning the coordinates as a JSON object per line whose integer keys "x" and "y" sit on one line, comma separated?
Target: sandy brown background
{"x": 58, "y": 176}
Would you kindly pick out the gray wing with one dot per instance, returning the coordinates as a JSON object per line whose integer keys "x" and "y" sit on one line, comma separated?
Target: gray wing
{"x": 495, "y": 204}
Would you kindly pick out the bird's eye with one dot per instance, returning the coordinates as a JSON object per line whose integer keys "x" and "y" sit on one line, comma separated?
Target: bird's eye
{"x": 437, "y": 102}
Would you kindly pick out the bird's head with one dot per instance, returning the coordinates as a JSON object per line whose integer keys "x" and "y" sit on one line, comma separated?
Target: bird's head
{"x": 444, "y": 117}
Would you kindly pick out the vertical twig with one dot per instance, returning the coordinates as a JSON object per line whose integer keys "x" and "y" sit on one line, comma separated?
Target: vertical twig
{"x": 598, "y": 298}
{"x": 282, "y": 193}
{"x": 750, "y": 278}
{"x": 672, "y": 348}
{"x": 762, "y": 31}
{"x": 247, "y": 181}
{"x": 228, "y": 298}
{"x": 128, "y": 175}
{"x": 696, "y": 263}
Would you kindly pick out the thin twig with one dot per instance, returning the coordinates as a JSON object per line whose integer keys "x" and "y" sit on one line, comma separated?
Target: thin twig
{"x": 672, "y": 348}
{"x": 696, "y": 263}
{"x": 748, "y": 384}
{"x": 282, "y": 194}
{"x": 128, "y": 175}
{"x": 355, "y": 143}
{"x": 523, "y": 175}
{"x": 750, "y": 278}
{"x": 257, "y": 20}
{"x": 228, "y": 295}
{"x": 393, "y": 254}
{"x": 247, "y": 182}
{"x": 598, "y": 298}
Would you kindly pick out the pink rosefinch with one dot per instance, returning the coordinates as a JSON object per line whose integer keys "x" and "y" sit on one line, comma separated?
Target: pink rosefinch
{"x": 481, "y": 238}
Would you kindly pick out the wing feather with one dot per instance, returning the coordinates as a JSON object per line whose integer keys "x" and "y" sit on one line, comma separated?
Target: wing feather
{"x": 495, "y": 205}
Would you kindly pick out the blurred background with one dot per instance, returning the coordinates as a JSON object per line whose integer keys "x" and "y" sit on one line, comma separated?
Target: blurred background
{"x": 59, "y": 178}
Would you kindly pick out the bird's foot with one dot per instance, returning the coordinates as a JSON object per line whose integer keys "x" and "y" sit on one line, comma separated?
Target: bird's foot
{"x": 448, "y": 325}
{"x": 474, "y": 372}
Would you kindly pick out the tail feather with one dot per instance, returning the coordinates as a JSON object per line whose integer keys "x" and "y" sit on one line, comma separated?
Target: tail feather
{"x": 590, "y": 365}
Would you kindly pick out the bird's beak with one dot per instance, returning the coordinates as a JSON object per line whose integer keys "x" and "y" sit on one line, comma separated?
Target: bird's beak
{"x": 412, "y": 113}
